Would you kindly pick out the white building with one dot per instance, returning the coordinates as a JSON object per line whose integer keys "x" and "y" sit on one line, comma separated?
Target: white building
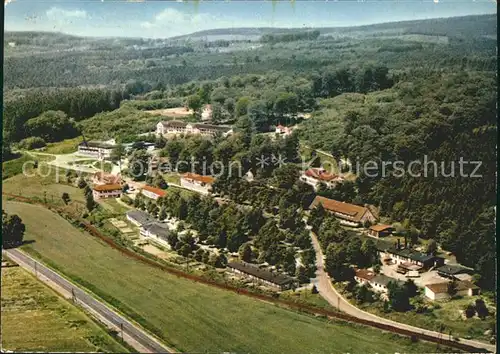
{"x": 376, "y": 282}
{"x": 152, "y": 192}
{"x": 156, "y": 231}
{"x": 439, "y": 291}
{"x": 177, "y": 127}
{"x": 197, "y": 183}
{"x": 97, "y": 149}
{"x": 283, "y": 131}
{"x": 206, "y": 113}
{"x": 315, "y": 176}
{"x": 107, "y": 191}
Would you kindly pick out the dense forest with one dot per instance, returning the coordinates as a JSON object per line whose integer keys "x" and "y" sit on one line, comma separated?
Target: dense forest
{"x": 391, "y": 92}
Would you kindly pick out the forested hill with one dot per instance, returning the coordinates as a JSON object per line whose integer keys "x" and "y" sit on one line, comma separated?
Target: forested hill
{"x": 465, "y": 26}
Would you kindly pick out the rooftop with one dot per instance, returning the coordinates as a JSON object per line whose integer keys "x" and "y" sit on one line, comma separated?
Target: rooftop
{"x": 278, "y": 279}
{"x": 140, "y": 216}
{"x": 411, "y": 254}
{"x": 440, "y": 288}
{"x": 97, "y": 144}
{"x": 157, "y": 191}
{"x": 349, "y": 211}
{"x": 174, "y": 123}
{"x": 384, "y": 280}
{"x": 157, "y": 229}
{"x": 452, "y": 269}
{"x": 365, "y": 274}
{"x": 380, "y": 227}
{"x": 107, "y": 187}
{"x": 199, "y": 178}
{"x": 222, "y": 128}
{"x": 321, "y": 174}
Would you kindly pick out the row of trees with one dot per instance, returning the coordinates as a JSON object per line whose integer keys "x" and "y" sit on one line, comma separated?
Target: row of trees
{"x": 77, "y": 103}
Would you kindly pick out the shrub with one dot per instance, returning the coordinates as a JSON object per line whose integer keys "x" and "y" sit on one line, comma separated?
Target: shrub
{"x": 469, "y": 311}
{"x": 33, "y": 142}
{"x": 481, "y": 309}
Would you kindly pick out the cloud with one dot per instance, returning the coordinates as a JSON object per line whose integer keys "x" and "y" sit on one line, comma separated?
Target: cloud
{"x": 56, "y": 13}
{"x": 176, "y": 20}
{"x": 7, "y": 1}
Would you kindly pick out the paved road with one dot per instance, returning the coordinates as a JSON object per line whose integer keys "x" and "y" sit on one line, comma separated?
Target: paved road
{"x": 330, "y": 294}
{"x": 130, "y": 330}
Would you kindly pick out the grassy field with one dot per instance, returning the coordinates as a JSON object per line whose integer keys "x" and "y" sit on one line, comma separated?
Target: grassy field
{"x": 187, "y": 315}
{"x": 172, "y": 178}
{"x": 35, "y": 318}
{"x": 105, "y": 166}
{"x": 63, "y": 147}
{"x": 15, "y": 166}
{"x": 113, "y": 206}
{"x": 39, "y": 186}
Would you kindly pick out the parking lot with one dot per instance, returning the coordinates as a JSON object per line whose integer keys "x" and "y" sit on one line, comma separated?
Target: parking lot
{"x": 423, "y": 279}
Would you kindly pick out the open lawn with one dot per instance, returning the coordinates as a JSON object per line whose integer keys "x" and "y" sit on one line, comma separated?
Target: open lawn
{"x": 63, "y": 147}
{"x": 35, "y": 318}
{"x": 177, "y": 112}
{"x": 15, "y": 166}
{"x": 113, "y": 206}
{"x": 188, "y": 315}
{"x": 172, "y": 178}
{"x": 35, "y": 185}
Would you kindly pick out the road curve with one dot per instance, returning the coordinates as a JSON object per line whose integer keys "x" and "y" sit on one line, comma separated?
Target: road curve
{"x": 330, "y": 294}
{"x": 130, "y": 330}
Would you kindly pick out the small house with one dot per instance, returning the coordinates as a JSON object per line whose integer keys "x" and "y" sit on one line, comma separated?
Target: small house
{"x": 380, "y": 230}
{"x": 439, "y": 291}
{"x": 283, "y": 131}
{"x": 377, "y": 282}
{"x": 364, "y": 276}
{"x": 198, "y": 183}
{"x": 315, "y": 176}
{"x": 107, "y": 191}
{"x": 206, "y": 113}
{"x": 152, "y": 192}
{"x": 454, "y": 271}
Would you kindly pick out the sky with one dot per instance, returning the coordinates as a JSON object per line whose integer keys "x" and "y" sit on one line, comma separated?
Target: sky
{"x": 162, "y": 19}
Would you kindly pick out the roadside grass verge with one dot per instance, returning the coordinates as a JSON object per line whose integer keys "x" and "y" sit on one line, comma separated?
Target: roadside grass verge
{"x": 187, "y": 315}
{"x": 35, "y": 318}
